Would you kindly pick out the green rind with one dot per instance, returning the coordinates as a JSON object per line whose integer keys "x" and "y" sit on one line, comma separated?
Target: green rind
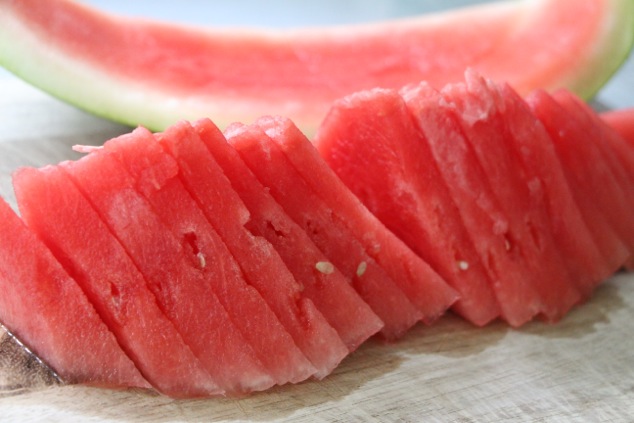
{"x": 130, "y": 103}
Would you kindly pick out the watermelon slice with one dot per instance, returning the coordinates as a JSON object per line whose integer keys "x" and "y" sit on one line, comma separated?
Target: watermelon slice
{"x": 326, "y": 230}
{"x": 88, "y": 251}
{"x": 150, "y": 73}
{"x": 45, "y": 308}
{"x": 429, "y": 293}
{"x": 261, "y": 265}
{"x": 548, "y": 185}
{"x": 374, "y": 130}
{"x": 588, "y": 174}
{"x": 156, "y": 175}
{"x": 180, "y": 287}
{"x": 332, "y": 293}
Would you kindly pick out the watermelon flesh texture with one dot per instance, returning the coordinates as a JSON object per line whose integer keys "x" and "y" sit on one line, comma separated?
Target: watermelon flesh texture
{"x": 332, "y": 293}
{"x": 326, "y": 230}
{"x": 46, "y": 309}
{"x": 261, "y": 264}
{"x": 374, "y": 129}
{"x": 110, "y": 280}
{"x": 529, "y": 232}
{"x": 424, "y": 288}
{"x": 156, "y": 175}
{"x": 622, "y": 122}
{"x": 589, "y": 177}
{"x": 548, "y": 184}
{"x": 153, "y": 74}
{"x": 175, "y": 278}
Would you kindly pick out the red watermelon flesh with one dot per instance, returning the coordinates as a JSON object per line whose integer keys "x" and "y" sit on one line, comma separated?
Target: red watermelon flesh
{"x": 622, "y": 122}
{"x": 483, "y": 218}
{"x": 332, "y": 293}
{"x": 548, "y": 185}
{"x": 424, "y": 287}
{"x": 474, "y": 106}
{"x": 45, "y": 308}
{"x": 373, "y": 130}
{"x": 157, "y": 178}
{"x": 590, "y": 178}
{"x": 327, "y": 231}
{"x": 182, "y": 291}
{"x": 86, "y": 248}
{"x": 261, "y": 264}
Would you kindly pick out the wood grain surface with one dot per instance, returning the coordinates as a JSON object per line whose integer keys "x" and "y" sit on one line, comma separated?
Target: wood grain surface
{"x": 581, "y": 369}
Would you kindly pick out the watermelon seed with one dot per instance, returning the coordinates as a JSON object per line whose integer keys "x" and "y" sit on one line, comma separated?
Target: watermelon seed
{"x": 361, "y": 269}
{"x": 463, "y": 265}
{"x": 201, "y": 259}
{"x": 325, "y": 267}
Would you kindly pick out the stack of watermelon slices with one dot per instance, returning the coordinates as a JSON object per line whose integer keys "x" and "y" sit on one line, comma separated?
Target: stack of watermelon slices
{"x": 199, "y": 263}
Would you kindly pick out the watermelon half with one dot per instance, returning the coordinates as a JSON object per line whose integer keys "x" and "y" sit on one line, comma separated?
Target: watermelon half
{"x": 150, "y": 73}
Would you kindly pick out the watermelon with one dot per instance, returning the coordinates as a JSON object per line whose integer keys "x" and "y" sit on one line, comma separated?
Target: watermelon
{"x": 260, "y": 263}
{"x": 374, "y": 129}
{"x": 150, "y": 73}
{"x": 343, "y": 251}
{"x": 87, "y": 249}
{"x": 621, "y": 121}
{"x": 429, "y": 293}
{"x": 46, "y": 309}
{"x": 181, "y": 290}
{"x": 157, "y": 179}
{"x": 332, "y": 293}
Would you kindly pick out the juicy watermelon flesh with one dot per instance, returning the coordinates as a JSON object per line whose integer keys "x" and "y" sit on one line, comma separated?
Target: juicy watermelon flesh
{"x": 174, "y": 276}
{"x": 110, "y": 280}
{"x": 474, "y": 106}
{"x": 333, "y": 295}
{"x": 46, "y": 309}
{"x": 424, "y": 288}
{"x": 260, "y": 263}
{"x": 374, "y": 130}
{"x": 622, "y": 122}
{"x": 323, "y": 226}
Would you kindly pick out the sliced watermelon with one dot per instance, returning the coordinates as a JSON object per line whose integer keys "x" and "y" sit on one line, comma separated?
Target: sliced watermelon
{"x": 327, "y": 231}
{"x": 548, "y": 185}
{"x": 157, "y": 178}
{"x": 150, "y": 73}
{"x": 529, "y": 231}
{"x": 373, "y": 130}
{"x": 62, "y": 217}
{"x": 175, "y": 278}
{"x": 589, "y": 176}
{"x": 332, "y": 293}
{"x": 45, "y": 308}
{"x": 424, "y": 288}
{"x": 262, "y": 266}
{"x": 621, "y": 121}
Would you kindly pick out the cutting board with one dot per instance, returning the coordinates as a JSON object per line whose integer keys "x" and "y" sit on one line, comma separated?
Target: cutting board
{"x": 580, "y": 369}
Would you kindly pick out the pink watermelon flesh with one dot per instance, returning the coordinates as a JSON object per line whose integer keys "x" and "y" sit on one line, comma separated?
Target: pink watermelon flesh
{"x": 587, "y": 173}
{"x": 332, "y": 293}
{"x": 425, "y": 289}
{"x": 157, "y": 178}
{"x": 86, "y": 248}
{"x": 474, "y": 106}
{"x": 182, "y": 291}
{"x": 373, "y": 130}
{"x": 548, "y": 185}
{"x": 326, "y": 230}
{"x": 261, "y": 264}
{"x": 621, "y": 122}
{"x": 45, "y": 308}
{"x": 487, "y": 225}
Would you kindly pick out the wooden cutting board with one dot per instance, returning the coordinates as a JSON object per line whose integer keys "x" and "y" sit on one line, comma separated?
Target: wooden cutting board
{"x": 581, "y": 369}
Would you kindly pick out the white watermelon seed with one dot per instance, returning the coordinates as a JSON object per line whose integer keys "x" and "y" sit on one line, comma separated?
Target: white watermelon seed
{"x": 361, "y": 269}
{"x": 325, "y": 267}
{"x": 463, "y": 265}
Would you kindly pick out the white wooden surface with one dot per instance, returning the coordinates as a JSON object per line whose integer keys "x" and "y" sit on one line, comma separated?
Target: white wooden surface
{"x": 581, "y": 369}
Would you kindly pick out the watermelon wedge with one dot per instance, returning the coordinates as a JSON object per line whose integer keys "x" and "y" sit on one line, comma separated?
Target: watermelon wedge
{"x": 181, "y": 289}
{"x": 97, "y": 261}
{"x": 260, "y": 263}
{"x": 325, "y": 228}
{"x": 332, "y": 293}
{"x": 150, "y": 73}
{"x": 45, "y": 308}
{"x": 429, "y": 293}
